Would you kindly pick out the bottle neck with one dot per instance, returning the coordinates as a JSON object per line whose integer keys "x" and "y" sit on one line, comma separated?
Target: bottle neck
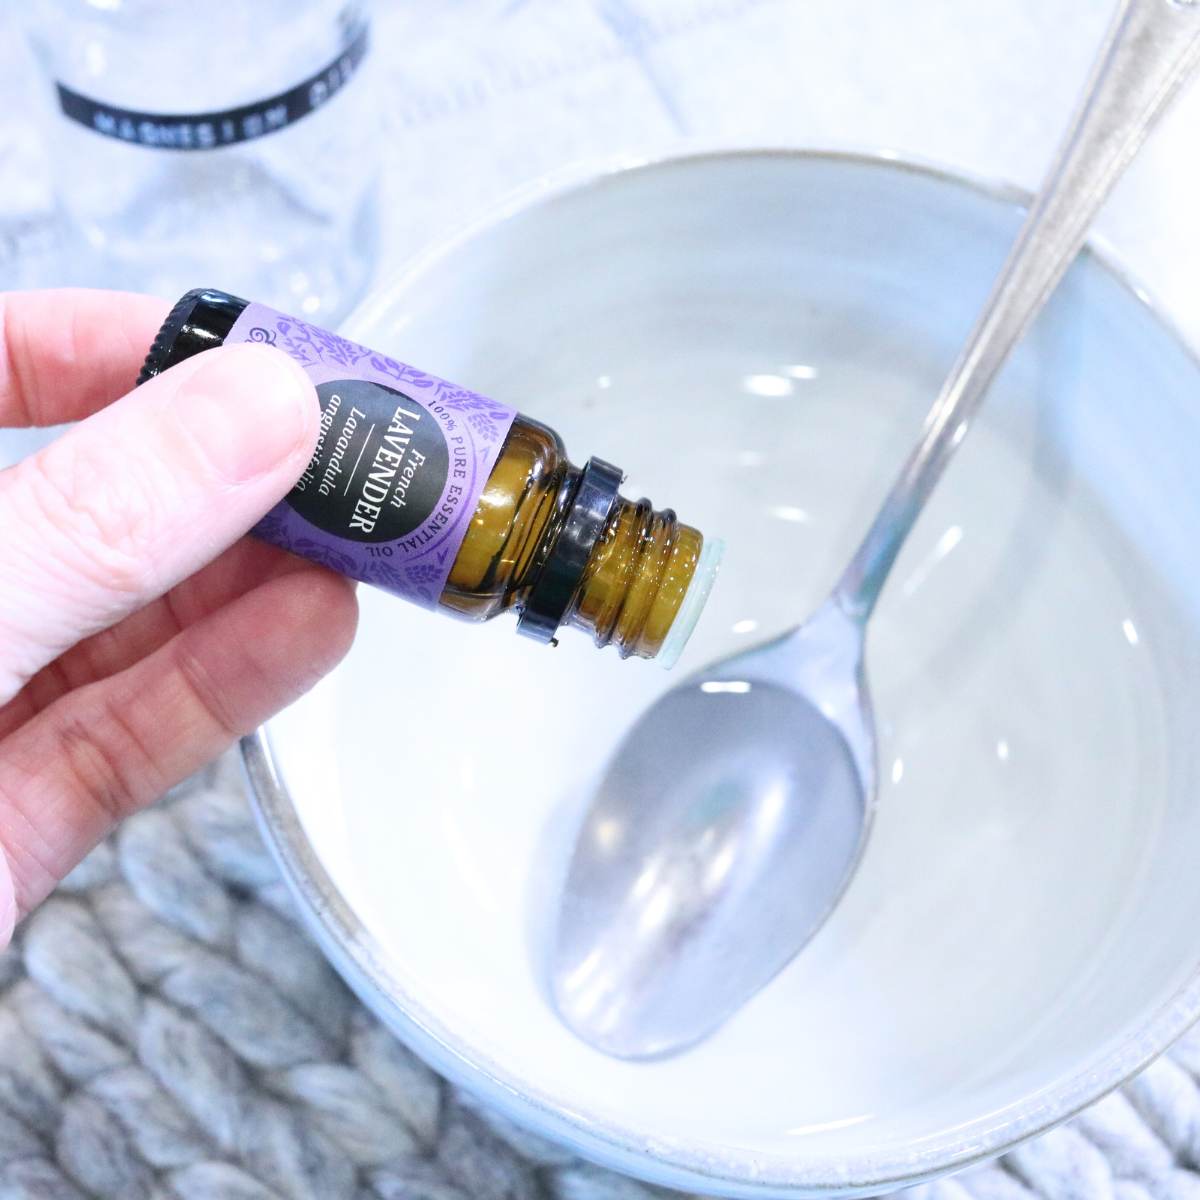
{"x": 636, "y": 578}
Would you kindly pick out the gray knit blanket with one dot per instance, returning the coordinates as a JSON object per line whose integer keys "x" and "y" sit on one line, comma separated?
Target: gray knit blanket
{"x": 169, "y": 1032}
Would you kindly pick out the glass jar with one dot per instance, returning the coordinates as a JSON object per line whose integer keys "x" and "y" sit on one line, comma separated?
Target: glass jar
{"x": 234, "y": 141}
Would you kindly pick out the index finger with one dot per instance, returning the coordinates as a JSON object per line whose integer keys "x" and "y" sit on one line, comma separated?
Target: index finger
{"x": 68, "y": 352}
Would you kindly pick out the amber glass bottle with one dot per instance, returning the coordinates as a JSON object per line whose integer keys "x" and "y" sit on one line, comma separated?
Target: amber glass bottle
{"x": 456, "y": 502}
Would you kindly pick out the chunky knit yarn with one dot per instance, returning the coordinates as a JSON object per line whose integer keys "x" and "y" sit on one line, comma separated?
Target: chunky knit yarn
{"x": 168, "y": 1031}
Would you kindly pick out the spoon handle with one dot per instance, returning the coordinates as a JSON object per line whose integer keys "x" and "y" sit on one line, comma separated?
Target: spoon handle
{"x": 1149, "y": 52}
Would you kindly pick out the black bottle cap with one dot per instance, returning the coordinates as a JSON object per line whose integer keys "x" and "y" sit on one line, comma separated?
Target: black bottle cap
{"x": 559, "y": 579}
{"x": 201, "y": 320}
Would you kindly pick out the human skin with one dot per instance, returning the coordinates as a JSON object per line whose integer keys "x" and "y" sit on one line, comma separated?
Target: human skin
{"x": 140, "y": 632}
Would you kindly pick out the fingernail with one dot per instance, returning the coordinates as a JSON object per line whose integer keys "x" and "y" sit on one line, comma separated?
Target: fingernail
{"x": 248, "y": 409}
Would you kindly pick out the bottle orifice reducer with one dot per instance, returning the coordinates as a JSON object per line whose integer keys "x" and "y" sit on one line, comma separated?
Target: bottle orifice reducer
{"x": 456, "y": 502}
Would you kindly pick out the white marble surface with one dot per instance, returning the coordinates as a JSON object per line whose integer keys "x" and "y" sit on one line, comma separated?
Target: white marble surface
{"x": 481, "y": 97}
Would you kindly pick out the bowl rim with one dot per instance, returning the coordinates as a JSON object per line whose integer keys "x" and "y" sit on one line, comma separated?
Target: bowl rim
{"x": 363, "y": 962}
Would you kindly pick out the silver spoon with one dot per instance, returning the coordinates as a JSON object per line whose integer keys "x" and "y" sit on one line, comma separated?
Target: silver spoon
{"x": 734, "y": 814}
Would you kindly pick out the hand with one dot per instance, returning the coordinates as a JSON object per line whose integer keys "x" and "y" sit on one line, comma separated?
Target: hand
{"x": 140, "y": 633}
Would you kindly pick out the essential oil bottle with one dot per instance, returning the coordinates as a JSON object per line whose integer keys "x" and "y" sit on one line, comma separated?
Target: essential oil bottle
{"x": 456, "y": 502}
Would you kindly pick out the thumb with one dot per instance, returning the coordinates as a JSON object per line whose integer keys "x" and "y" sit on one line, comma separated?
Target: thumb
{"x": 139, "y": 496}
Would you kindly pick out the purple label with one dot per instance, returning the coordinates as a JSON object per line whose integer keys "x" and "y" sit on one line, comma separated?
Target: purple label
{"x": 399, "y": 467}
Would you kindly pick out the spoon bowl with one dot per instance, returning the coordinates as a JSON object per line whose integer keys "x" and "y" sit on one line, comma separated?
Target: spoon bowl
{"x": 730, "y": 809}
{"x": 703, "y": 810}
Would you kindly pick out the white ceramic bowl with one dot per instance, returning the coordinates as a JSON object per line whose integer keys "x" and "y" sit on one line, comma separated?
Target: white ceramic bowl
{"x": 756, "y": 337}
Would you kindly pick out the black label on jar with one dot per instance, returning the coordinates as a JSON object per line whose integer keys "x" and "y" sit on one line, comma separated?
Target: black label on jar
{"x": 380, "y": 466}
{"x": 223, "y": 127}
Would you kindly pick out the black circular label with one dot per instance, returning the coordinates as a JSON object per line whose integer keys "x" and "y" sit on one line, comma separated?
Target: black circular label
{"x": 380, "y": 466}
